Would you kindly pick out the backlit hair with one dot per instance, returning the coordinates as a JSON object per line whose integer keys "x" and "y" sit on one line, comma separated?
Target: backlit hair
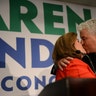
{"x": 90, "y": 25}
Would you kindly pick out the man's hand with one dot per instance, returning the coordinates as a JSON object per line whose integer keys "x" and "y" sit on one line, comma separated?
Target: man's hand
{"x": 63, "y": 62}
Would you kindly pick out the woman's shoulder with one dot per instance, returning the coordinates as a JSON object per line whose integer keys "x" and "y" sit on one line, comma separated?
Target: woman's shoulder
{"x": 77, "y": 61}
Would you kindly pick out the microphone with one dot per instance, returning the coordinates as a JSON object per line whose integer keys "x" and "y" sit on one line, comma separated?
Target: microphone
{"x": 90, "y": 61}
{"x": 79, "y": 52}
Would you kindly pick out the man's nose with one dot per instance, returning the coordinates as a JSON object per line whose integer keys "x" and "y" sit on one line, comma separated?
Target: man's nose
{"x": 82, "y": 42}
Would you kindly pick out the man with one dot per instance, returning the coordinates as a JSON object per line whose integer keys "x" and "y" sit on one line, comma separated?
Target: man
{"x": 87, "y": 31}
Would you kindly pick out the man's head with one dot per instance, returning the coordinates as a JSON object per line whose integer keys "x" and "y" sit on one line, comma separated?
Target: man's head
{"x": 88, "y": 35}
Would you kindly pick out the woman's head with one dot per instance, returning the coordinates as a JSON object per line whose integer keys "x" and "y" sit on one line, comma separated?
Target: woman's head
{"x": 66, "y": 45}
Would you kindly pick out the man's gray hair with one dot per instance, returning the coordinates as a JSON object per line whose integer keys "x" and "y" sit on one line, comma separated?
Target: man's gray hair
{"x": 90, "y": 25}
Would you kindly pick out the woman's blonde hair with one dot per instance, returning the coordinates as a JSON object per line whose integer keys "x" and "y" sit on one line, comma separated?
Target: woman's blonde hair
{"x": 64, "y": 47}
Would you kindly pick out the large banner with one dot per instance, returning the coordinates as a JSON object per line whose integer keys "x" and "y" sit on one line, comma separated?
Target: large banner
{"x": 28, "y": 31}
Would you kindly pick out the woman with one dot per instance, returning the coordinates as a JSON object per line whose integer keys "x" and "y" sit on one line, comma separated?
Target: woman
{"x": 68, "y": 45}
